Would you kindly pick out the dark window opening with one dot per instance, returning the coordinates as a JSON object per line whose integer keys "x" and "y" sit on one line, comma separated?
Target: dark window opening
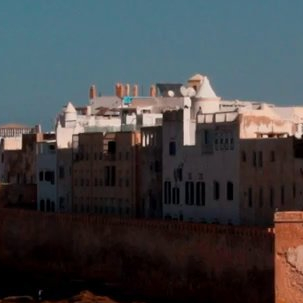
{"x": 189, "y": 192}
{"x": 243, "y": 156}
{"x": 216, "y": 190}
{"x": 172, "y": 148}
{"x": 200, "y": 193}
{"x": 261, "y": 197}
{"x": 271, "y": 197}
{"x": 176, "y": 195}
{"x": 112, "y": 147}
{"x": 230, "y": 191}
{"x": 250, "y": 200}
{"x": 167, "y": 192}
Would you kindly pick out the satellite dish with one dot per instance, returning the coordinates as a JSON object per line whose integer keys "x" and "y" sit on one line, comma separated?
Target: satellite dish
{"x": 191, "y": 92}
{"x": 170, "y": 93}
{"x": 183, "y": 91}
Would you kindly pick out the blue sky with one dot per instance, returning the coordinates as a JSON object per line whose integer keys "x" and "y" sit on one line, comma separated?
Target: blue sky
{"x": 51, "y": 51}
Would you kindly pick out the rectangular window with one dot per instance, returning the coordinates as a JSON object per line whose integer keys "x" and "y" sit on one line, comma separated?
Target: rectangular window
{"x": 189, "y": 192}
{"x": 172, "y": 148}
{"x": 294, "y": 190}
{"x": 112, "y": 147}
{"x": 216, "y": 190}
{"x": 271, "y": 197}
{"x": 250, "y": 200}
{"x": 254, "y": 159}
{"x": 167, "y": 192}
{"x": 282, "y": 195}
{"x": 41, "y": 176}
{"x": 206, "y": 137}
{"x": 176, "y": 195}
{"x": 272, "y": 156}
{"x": 107, "y": 176}
{"x": 260, "y": 159}
{"x": 200, "y": 193}
{"x": 61, "y": 172}
{"x": 230, "y": 191}
{"x": 261, "y": 197}
{"x": 243, "y": 156}
{"x": 113, "y": 176}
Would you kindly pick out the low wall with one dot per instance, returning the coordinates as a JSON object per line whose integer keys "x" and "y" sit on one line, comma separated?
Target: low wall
{"x": 153, "y": 258}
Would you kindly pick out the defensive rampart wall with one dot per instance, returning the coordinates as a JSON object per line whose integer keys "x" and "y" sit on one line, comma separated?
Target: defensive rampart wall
{"x": 155, "y": 258}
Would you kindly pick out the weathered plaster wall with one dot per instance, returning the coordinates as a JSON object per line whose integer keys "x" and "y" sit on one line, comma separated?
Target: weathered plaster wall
{"x": 155, "y": 258}
{"x": 289, "y": 257}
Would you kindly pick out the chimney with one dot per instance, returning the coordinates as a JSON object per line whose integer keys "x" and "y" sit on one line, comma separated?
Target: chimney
{"x": 119, "y": 90}
{"x": 92, "y": 92}
{"x": 127, "y": 89}
{"x": 153, "y": 91}
{"x": 135, "y": 90}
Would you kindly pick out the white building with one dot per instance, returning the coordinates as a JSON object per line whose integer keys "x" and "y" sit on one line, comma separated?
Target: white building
{"x": 47, "y": 176}
{"x": 206, "y": 149}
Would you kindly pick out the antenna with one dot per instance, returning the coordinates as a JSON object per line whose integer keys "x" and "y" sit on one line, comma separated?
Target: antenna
{"x": 170, "y": 93}
{"x": 191, "y": 92}
{"x": 187, "y": 91}
{"x": 183, "y": 91}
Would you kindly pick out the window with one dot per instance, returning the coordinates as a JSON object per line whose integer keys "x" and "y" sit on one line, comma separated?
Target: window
{"x": 110, "y": 176}
{"x": 272, "y": 156}
{"x": 172, "y": 148}
{"x": 206, "y": 137}
{"x": 200, "y": 193}
{"x": 107, "y": 176}
{"x": 189, "y": 192}
{"x": 41, "y": 176}
{"x": 271, "y": 197}
{"x": 243, "y": 156}
{"x": 112, "y": 147}
{"x": 167, "y": 192}
{"x": 260, "y": 159}
{"x": 254, "y": 159}
{"x": 61, "y": 202}
{"x": 261, "y": 197}
{"x": 42, "y": 205}
{"x": 176, "y": 195}
{"x": 230, "y": 191}
{"x": 50, "y": 177}
{"x": 250, "y": 202}
{"x": 61, "y": 172}
{"x": 216, "y": 190}
{"x": 113, "y": 176}
{"x": 294, "y": 190}
{"x": 282, "y": 194}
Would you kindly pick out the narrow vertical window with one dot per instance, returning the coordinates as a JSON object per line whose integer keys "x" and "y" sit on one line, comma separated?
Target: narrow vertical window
{"x": 216, "y": 190}
{"x": 250, "y": 202}
{"x": 167, "y": 192}
{"x": 272, "y": 156}
{"x": 282, "y": 194}
{"x": 243, "y": 156}
{"x": 271, "y": 197}
{"x": 189, "y": 192}
{"x": 200, "y": 193}
{"x": 261, "y": 197}
{"x": 260, "y": 159}
{"x": 172, "y": 148}
{"x": 254, "y": 159}
{"x": 230, "y": 191}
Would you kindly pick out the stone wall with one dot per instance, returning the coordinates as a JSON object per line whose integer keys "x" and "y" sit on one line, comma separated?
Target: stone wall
{"x": 289, "y": 257}
{"x": 154, "y": 258}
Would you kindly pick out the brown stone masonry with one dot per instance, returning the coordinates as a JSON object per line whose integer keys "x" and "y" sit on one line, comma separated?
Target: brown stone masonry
{"x": 155, "y": 258}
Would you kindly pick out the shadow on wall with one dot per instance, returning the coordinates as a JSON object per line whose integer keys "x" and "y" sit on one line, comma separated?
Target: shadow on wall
{"x": 177, "y": 260}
